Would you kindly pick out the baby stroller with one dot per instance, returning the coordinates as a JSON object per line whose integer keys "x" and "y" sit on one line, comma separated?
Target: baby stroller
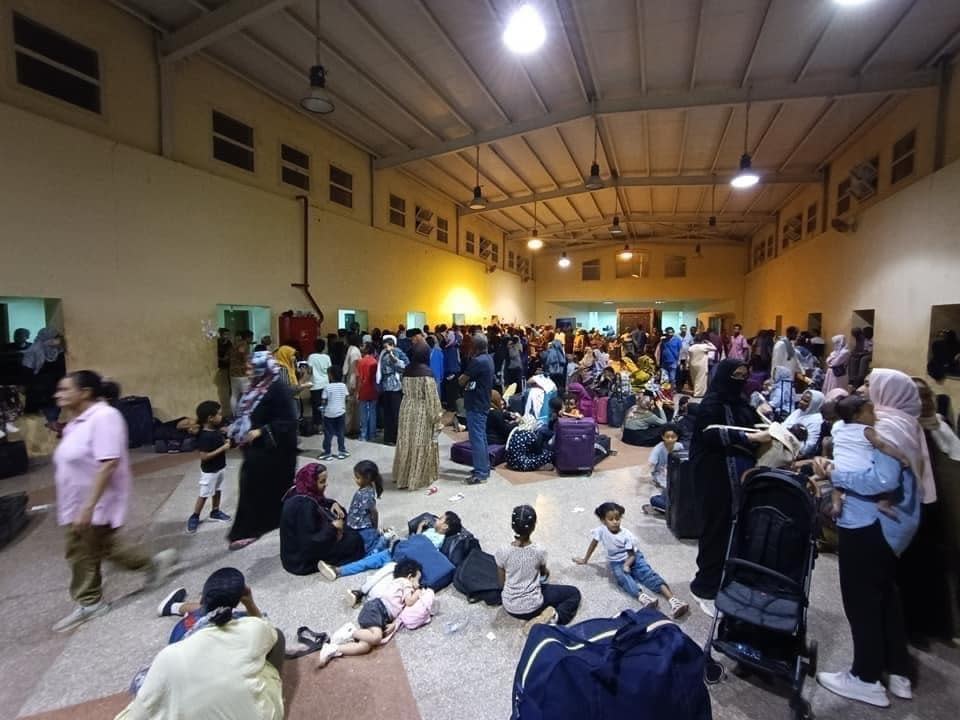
{"x": 762, "y": 602}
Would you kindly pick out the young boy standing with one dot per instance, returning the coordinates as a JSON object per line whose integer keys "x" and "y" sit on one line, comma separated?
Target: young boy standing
{"x": 213, "y": 447}
{"x": 334, "y": 415}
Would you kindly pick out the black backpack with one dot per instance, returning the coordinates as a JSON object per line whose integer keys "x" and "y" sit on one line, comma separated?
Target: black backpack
{"x": 458, "y": 547}
{"x": 478, "y": 579}
{"x": 13, "y": 516}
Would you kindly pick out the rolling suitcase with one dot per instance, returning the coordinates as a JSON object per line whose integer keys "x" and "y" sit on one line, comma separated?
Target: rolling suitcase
{"x": 616, "y": 410}
{"x": 683, "y": 513}
{"x": 138, "y": 413}
{"x": 573, "y": 445}
{"x": 600, "y": 409}
{"x": 13, "y": 516}
{"x": 13, "y": 458}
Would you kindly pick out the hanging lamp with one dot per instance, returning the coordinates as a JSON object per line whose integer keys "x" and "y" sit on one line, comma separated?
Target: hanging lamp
{"x": 318, "y": 100}
{"x": 477, "y": 202}
{"x": 746, "y": 178}
{"x": 535, "y": 243}
{"x": 564, "y": 261}
{"x": 594, "y": 181}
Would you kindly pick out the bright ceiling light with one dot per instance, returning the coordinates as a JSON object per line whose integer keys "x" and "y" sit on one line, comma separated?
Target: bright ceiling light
{"x": 626, "y": 253}
{"x": 525, "y": 31}
{"x": 616, "y": 230}
{"x": 564, "y": 261}
{"x": 746, "y": 178}
{"x": 850, "y": 3}
{"x": 534, "y": 243}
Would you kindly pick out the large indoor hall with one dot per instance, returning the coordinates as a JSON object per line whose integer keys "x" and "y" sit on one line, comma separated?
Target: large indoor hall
{"x": 488, "y": 359}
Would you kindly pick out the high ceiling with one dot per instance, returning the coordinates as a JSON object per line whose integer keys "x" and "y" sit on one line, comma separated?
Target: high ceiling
{"x": 420, "y": 83}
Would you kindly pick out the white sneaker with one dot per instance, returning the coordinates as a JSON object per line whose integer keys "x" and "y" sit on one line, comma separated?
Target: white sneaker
{"x": 159, "y": 567}
{"x": 850, "y": 686}
{"x": 328, "y": 571}
{"x": 678, "y": 607}
{"x": 647, "y": 601}
{"x": 327, "y": 653}
{"x": 707, "y": 606}
{"x": 11, "y": 428}
{"x": 2, "y": 434}
{"x": 899, "y": 686}
{"x": 80, "y": 614}
{"x": 343, "y": 635}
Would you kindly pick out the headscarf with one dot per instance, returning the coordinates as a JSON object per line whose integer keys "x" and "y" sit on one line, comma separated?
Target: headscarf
{"x": 836, "y": 394}
{"x": 811, "y": 419}
{"x": 305, "y": 483}
{"x": 724, "y": 403}
{"x": 941, "y": 432}
{"x": 389, "y": 338}
{"x": 897, "y": 402}
{"x": 286, "y": 357}
{"x": 419, "y": 361}
{"x": 791, "y": 350}
{"x": 839, "y": 342}
{"x": 221, "y": 594}
{"x": 265, "y": 372}
{"x": 496, "y": 400}
{"x": 39, "y": 352}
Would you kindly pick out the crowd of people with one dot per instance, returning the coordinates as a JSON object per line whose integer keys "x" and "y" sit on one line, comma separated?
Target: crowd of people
{"x": 880, "y": 459}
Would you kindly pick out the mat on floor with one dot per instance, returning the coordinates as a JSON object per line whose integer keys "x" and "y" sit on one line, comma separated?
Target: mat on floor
{"x": 344, "y": 683}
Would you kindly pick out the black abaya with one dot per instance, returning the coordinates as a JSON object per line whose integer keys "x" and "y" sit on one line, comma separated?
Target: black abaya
{"x": 269, "y": 466}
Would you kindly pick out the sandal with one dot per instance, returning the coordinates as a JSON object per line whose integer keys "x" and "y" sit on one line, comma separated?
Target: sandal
{"x": 310, "y": 640}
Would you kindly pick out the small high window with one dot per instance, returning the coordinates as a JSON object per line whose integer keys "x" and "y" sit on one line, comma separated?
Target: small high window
{"x": 791, "y": 230}
{"x": 443, "y": 230}
{"x": 675, "y": 266}
{"x": 843, "y": 197}
{"x": 341, "y": 187}
{"x": 590, "y": 269}
{"x": 470, "y": 243}
{"x": 903, "y": 154}
{"x": 232, "y": 141}
{"x": 637, "y": 266}
{"x": 495, "y": 252}
{"x": 294, "y": 167}
{"x": 398, "y": 211}
{"x": 812, "y": 220}
{"x": 511, "y": 260}
{"x": 771, "y": 247}
{"x": 55, "y": 65}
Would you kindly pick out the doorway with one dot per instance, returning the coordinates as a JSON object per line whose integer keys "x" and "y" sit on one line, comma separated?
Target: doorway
{"x": 814, "y": 323}
{"x": 863, "y": 319}
{"x": 236, "y": 318}
{"x": 346, "y": 317}
{"x": 416, "y": 319}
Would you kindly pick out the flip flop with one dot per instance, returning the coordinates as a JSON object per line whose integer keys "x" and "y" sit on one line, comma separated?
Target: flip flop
{"x": 310, "y": 640}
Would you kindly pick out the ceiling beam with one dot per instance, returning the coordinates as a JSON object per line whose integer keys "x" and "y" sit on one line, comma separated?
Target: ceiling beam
{"x": 752, "y": 218}
{"x": 835, "y": 87}
{"x": 208, "y": 29}
{"x": 768, "y": 178}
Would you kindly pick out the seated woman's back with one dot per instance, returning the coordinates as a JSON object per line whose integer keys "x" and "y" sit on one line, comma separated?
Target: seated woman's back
{"x": 217, "y": 673}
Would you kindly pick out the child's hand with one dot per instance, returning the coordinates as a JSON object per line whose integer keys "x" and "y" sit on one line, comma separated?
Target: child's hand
{"x": 884, "y": 507}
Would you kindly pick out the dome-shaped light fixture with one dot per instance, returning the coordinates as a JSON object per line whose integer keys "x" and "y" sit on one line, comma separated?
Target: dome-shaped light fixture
{"x": 594, "y": 181}
{"x": 535, "y": 243}
{"x": 626, "y": 253}
{"x": 525, "y": 31}
{"x": 746, "y": 178}
{"x": 477, "y": 202}
{"x": 318, "y": 100}
{"x": 564, "y": 261}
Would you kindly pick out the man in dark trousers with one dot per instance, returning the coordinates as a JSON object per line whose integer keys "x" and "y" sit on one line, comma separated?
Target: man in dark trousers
{"x": 478, "y": 384}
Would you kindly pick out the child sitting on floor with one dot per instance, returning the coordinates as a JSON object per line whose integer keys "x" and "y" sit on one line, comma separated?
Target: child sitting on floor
{"x": 659, "y": 462}
{"x": 362, "y": 515}
{"x": 854, "y": 441}
{"x": 376, "y": 622}
{"x": 627, "y": 563}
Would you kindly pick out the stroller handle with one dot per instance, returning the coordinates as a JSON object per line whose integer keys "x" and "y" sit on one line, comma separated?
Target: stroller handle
{"x": 737, "y": 562}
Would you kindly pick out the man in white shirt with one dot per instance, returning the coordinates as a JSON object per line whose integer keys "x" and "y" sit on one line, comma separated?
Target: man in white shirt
{"x": 319, "y": 363}
{"x": 785, "y": 355}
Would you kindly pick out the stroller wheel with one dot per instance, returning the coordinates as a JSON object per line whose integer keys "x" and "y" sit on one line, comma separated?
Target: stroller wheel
{"x": 713, "y": 672}
{"x": 812, "y": 652}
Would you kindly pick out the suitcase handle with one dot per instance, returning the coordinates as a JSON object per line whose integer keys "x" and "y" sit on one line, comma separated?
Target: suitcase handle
{"x": 627, "y": 638}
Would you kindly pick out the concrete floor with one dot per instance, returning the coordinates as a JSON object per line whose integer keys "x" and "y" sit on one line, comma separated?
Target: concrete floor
{"x": 474, "y": 664}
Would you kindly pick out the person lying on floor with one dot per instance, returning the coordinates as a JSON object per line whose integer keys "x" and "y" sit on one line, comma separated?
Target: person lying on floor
{"x": 447, "y": 524}
{"x": 377, "y": 621}
{"x": 225, "y": 666}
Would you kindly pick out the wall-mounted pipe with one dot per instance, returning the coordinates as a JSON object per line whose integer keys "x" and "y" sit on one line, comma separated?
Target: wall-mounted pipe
{"x": 305, "y": 285}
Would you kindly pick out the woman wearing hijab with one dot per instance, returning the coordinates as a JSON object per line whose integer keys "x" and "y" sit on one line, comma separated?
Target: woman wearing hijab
{"x": 286, "y": 358}
{"x": 416, "y": 464}
{"x": 313, "y": 528}
{"x": 718, "y": 458}
{"x": 228, "y": 665}
{"x": 870, "y": 543}
{"x": 808, "y": 414}
{"x": 266, "y": 430}
{"x": 393, "y": 361}
{"x": 45, "y": 365}
{"x": 838, "y": 374}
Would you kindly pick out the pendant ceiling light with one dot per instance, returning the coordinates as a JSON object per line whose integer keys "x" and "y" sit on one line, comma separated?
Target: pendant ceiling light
{"x": 616, "y": 230}
{"x": 477, "y": 202}
{"x": 626, "y": 253}
{"x": 535, "y": 243}
{"x": 564, "y": 261}
{"x": 525, "y": 31}
{"x": 594, "y": 182}
{"x": 746, "y": 178}
{"x": 318, "y": 100}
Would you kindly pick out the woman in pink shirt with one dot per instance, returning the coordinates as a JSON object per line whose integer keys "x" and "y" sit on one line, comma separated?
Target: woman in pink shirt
{"x": 93, "y": 480}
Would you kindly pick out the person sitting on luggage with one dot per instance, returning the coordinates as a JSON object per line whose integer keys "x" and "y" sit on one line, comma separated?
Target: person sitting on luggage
{"x": 647, "y": 413}
{"x": 659, "y": 457}
{"x": 522, "y": 571}
{"x": 500, "y": 421}
{"x": 213, "y": 446}
{"x": 570, "y": 409}
{"x": 627, "y": 563}
{"x": 376, "y": 622}
{"x": 547, "y": 430}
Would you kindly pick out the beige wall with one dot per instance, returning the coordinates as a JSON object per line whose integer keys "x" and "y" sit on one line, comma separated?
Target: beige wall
{"x": 141, "y": 249}
{"x": 714, "y": 282}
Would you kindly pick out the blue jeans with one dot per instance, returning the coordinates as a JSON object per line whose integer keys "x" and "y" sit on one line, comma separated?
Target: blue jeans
{"x": 477, "y": 432}
{"x": 373, "y": 561}
{"x": 331, "y": 427}
{"x": 368, "y": 420}
{"x": 373, "y": 541}
{"x": 659, "y": 502}
{"x": 671, "y": 371}
{"x": 641, "y": 573}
